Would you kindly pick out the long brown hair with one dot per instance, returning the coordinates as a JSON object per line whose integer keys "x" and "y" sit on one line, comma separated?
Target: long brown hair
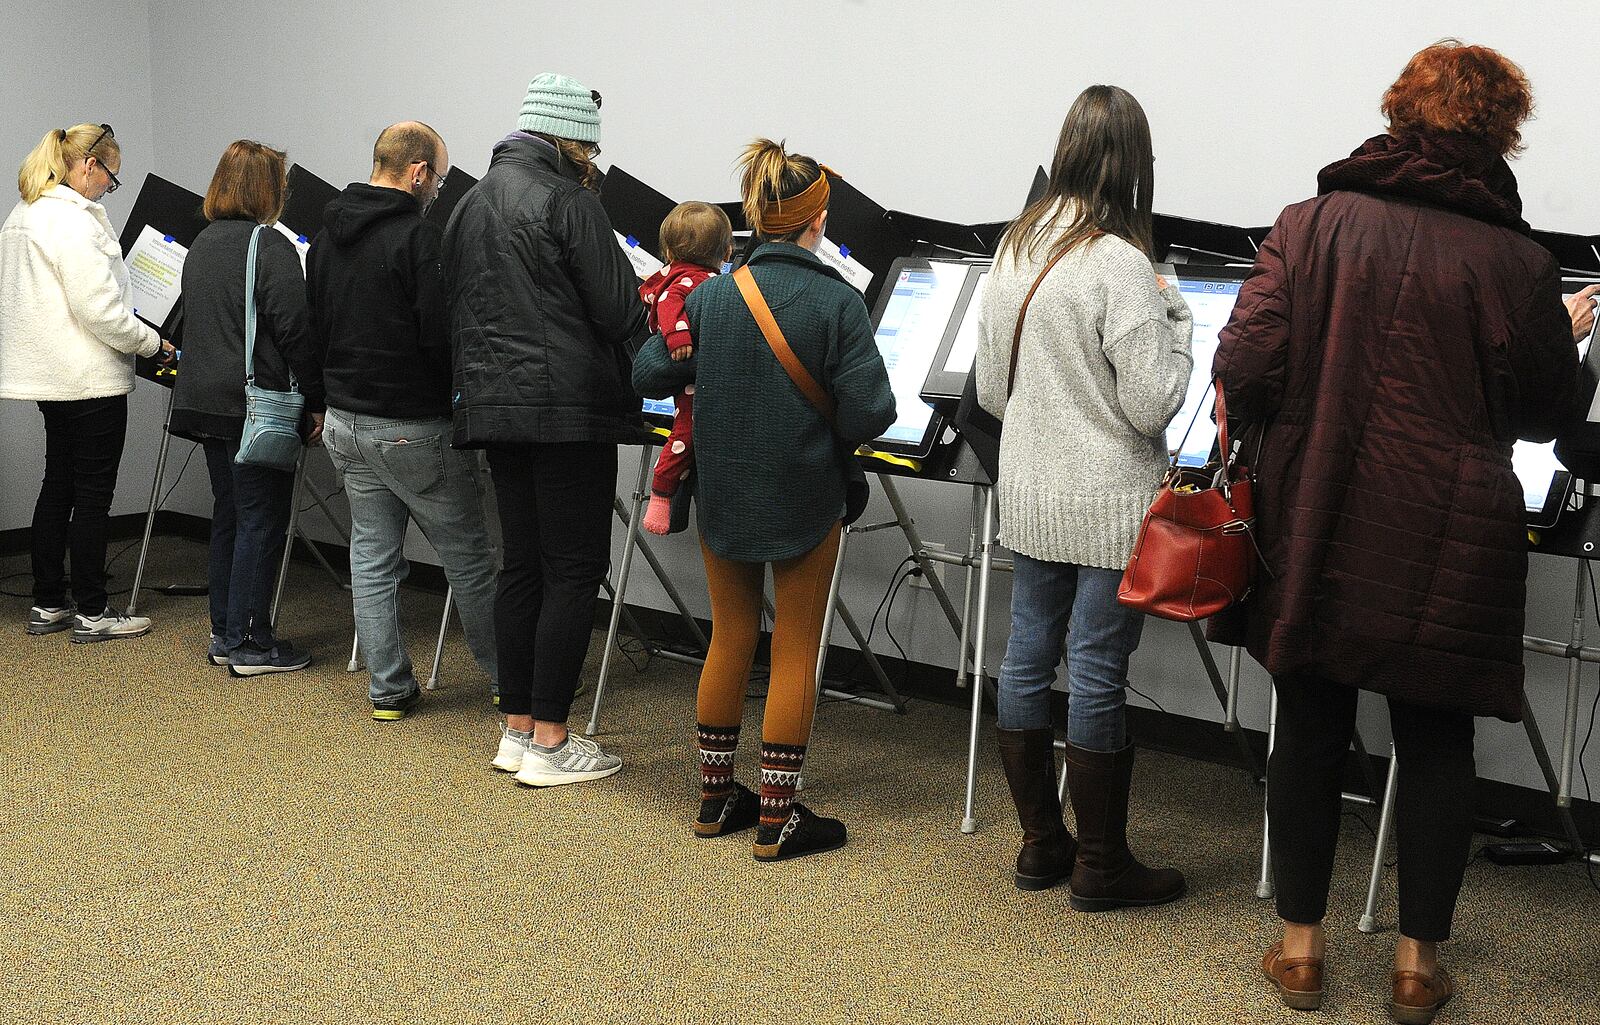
{"x": 771, "y": 173}
{"x": 251, "y": 182}
{"x": 1103, "y": 170}
{"x": 580, "y": 155}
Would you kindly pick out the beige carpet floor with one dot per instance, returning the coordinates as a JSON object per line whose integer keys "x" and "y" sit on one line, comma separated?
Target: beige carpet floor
{"x": 179, "y": 846}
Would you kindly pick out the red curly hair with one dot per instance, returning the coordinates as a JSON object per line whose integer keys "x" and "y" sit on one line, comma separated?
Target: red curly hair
{"x": 1453, "y": 87}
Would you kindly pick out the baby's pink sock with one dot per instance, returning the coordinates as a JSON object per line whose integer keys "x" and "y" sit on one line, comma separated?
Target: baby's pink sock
{"x": 658, "y": 515}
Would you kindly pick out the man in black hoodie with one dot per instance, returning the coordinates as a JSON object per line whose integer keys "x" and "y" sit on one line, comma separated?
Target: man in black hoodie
{"x": 378, "y": 309}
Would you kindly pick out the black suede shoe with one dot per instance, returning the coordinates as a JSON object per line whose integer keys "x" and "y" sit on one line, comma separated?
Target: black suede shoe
{"x": 804, "y": 833}
{"x": 738, "y": 811}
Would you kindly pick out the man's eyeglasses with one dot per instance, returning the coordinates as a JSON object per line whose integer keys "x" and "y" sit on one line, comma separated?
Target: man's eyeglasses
{"x": 105, "y": 130}
{"x": 437, "y": 176}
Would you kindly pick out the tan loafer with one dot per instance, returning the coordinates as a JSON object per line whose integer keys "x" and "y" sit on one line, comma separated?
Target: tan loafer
{"x": 1299, "y": 979}
{"x": 1417, "y": 998}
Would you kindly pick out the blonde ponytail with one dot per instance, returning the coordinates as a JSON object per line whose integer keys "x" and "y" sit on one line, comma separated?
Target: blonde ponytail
{"x": 770, "y": 174}
{"x": 56, "y": 154}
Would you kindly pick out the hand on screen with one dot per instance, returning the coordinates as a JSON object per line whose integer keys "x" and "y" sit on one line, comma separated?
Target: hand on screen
{"x": 1161, "y": 282}
{"x": 169, "y": 353}
{"x": 1581, "y": 309}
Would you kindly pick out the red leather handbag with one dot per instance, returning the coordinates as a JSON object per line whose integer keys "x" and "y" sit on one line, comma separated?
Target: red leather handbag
{"x": 1196, "y": 553}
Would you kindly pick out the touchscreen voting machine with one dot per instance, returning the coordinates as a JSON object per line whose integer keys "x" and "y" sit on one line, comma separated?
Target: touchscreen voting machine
{"x": 1543, "y": 469}
{"x": 916, "y": 310}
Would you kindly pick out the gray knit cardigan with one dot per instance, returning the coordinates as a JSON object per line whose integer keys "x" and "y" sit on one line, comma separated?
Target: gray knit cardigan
{"x": 1104, "y": 366}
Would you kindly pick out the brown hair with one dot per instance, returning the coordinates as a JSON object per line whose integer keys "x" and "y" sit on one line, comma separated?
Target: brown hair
{"x": 60, "y": 149}
{"x": 697, "y": 233}
{"x": 1102, "y": 177}
{"x": 1453, "y": 87}
{"x": 251, "y": 182}
{"x": 771, "y": 173}
{"x": 581, "y": 155}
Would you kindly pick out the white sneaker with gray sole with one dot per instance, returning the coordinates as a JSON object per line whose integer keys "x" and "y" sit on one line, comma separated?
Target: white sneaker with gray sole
{"x": 109, "y": 625}
{"x": 512, "y": 749}
{"x": 577, "y": 760}
{"x": 43, "y": 621}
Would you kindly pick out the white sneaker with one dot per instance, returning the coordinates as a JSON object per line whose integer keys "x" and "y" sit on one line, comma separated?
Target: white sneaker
{"x": 109, "y": 625}
{"x": 43, "y": 621}
{"x": 509, "y": 757}
{"x": 577, "y": 760}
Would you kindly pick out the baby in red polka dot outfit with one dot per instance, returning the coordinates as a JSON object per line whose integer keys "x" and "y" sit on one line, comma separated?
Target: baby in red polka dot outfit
{"x": 696, "y": 239}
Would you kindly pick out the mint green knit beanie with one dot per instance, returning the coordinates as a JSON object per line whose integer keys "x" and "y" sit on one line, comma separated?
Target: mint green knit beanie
{"x": 560, "y": 106}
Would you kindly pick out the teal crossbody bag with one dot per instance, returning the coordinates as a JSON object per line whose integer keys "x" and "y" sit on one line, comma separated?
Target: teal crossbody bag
{"x": 271, "y": 418}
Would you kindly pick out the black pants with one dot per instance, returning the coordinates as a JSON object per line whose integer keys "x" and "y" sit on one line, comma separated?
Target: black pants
{"x": 82, "y": 450}
{"x": 555, "y": 504}
{"x": 249, "y": 525}
{"x": 1433, "y": 806}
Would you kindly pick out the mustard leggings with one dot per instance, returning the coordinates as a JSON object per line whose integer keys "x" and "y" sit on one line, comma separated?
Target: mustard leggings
{"x": 801, "y": 603}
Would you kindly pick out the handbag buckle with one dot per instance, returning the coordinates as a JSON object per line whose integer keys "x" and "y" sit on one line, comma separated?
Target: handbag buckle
{"x": 1238, "y": 526}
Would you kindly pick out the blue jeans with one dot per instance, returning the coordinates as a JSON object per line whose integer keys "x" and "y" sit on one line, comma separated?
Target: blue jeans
{"x": 1046, "y": 598}
{"x": 249, "y": 521}
{"x": 400, "y": 470}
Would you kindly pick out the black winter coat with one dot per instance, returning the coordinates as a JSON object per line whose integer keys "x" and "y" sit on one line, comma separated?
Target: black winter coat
{"x": 208, "y": 397}
{"x": 1397, "y": 335}
{"x": 545, "y": 312}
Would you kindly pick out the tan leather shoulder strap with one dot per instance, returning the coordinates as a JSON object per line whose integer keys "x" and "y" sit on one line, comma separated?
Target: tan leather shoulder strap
{"x": 1016, "y": 338}
{"x": 792, "y": 366}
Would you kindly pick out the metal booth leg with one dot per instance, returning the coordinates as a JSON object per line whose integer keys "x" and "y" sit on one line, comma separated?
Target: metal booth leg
{"x": 635, "y": 524}
{"x": 289, "y": 536}
{"x": 1264, "y": 885}
{"x": 1369, "y": 919}
{"x": 355, "y": 655}
{"x": 969, "y": 820}
{"x": 438, "y": 649}
{"x": 155, "y": 502}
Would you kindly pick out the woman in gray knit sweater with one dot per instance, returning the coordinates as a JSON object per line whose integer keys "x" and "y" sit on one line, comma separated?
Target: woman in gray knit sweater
{"x": 1100, "y": 368}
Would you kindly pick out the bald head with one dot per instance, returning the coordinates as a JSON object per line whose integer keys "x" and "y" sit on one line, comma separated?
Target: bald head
{"x": 400, "y": 147}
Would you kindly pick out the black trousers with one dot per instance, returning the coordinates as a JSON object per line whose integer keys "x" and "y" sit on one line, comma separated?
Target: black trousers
{"x": 249, "y": 527}
{"x": 555, "y": 504}
{"x": 82, "y": 450}
{"x": 1433, "y": 806}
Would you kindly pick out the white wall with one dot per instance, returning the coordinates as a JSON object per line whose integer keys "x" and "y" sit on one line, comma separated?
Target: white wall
{"x": 942, "y": 108}
{"x": 98, "y": 61}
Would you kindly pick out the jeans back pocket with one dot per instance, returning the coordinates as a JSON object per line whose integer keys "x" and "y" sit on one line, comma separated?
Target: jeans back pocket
{"x": 417, "y": 464}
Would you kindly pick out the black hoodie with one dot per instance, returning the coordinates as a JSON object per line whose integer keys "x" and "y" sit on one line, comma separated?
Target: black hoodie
{"x": 377, "y": 306}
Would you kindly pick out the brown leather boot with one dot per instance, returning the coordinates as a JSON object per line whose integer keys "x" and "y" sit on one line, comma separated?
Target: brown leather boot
{"x": 1048, "y": 850}
{"x": 1107, "y": 876}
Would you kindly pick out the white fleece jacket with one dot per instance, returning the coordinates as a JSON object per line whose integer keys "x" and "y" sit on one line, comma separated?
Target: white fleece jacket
{"x": 66, "y": 328}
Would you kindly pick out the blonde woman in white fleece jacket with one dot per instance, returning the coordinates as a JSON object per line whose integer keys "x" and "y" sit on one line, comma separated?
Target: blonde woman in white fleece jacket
{"x": 1102, "y": 367}
{"x": 67, "y": 342}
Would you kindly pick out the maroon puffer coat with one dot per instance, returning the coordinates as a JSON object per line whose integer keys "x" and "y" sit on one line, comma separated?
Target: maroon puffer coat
{"x": 1397, "y": 334}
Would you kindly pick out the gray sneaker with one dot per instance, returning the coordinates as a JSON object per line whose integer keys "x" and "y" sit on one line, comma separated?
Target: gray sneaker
{"x": 109, "y": 625}
{"x": 577, "y": 760}
{"x": 43, "y": 621}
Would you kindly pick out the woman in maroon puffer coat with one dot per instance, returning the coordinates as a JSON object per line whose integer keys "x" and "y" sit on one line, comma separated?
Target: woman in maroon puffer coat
{"x": 1398, "y": 334}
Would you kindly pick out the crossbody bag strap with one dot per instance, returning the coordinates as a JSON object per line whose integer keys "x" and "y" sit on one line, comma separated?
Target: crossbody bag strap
{"x": 250, "y": 314}
{"x": 1016, "y": 337}
{"x": 250, "y": 308}
{"x": 792, "y": 366}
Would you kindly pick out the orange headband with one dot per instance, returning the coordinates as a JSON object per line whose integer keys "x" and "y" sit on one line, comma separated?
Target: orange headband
{"x": 786, "y": 216}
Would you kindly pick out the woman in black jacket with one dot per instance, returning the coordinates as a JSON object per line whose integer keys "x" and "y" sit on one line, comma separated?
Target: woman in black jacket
{"x": 545, "y": 314}
{"x": 251, "y": 513}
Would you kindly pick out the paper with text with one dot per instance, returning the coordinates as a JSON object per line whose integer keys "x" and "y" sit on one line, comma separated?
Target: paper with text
{"x": 155, "y": 274}
{"x": 840, "y": 260}
{"x": 644, "y": 264}
{"x": 302, "y": 245}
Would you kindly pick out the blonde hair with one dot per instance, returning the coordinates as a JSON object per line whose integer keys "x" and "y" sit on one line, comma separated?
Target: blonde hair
{"x": 697, "y": 233}
{"x": 58, "y": 152}
{"x": 772, "y": 173}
